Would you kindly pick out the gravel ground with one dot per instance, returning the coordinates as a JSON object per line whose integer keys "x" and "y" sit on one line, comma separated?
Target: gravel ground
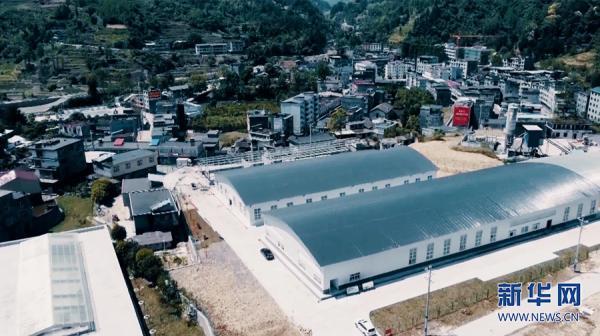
{"x": 232, "y": 298}
{"x": 452, "y": 162}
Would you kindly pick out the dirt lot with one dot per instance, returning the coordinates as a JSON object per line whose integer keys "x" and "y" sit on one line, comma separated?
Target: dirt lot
{"x": 198, "y": 226}
{"x": 452, "y": 162}
{"x": 232, "y": 298}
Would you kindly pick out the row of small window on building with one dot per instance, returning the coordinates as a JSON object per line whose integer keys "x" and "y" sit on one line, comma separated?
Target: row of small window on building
{"x": 257, "y": 212}
{"x": 412, "y": 254}
{"x": 128, "y": 164}
{"x": 579, "y": 211}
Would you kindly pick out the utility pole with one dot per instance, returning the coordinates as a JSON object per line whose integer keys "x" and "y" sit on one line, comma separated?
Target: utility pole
{"x": 576, "y": 263}
{"x": 428, "y": 270}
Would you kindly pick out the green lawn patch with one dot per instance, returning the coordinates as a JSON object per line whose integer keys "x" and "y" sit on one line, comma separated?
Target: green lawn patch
{"x": 77, "y": 210}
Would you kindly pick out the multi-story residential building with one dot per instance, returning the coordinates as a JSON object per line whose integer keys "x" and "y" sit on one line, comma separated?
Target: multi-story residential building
{"x": 304, "y": 109}
{"x": 150, "y": 98}
{"x": 593, "y": 111}
{"x": 76, "y": 129}
{"x": 582, "y": 99}
{"x": 475, "y": 53}
{"x": 58, "y": 159}
{"x": 413, "y": 79}
{"x": 450, "y": 50}
{"x": 360, "y": 101}
{"x": 431, "y": 116}
{"x": 396, "y": 70}
{"x": 422, "y": 61}
{"x": 468, "y": 66}
{"x": 136, "y": 163}
{"x": 519, "y": 63}
{"x": 372, "y": 47}
{"x": 551, "y": 96}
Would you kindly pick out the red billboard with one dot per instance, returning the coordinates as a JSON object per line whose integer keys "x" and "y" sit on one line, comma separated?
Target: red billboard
{"x": 461, "y": 115}
{"x": 154, "y": 94}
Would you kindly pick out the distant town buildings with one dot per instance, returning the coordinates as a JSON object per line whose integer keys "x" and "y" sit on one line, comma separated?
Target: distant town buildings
{"x": 229, "y": 47}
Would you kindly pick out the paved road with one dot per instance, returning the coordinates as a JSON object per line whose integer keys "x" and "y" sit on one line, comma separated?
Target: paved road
{"x": 337, "y": 316}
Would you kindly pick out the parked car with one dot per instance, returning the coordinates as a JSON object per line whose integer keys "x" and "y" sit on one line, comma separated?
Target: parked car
{"x": 267, "y": 253}
{"x": 194, "y": 186}
{"x": 365, "y": 327}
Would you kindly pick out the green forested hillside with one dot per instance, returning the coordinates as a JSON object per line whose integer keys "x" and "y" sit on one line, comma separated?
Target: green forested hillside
{"x": 277, "y": 27}
{"x": 538, "y": 27}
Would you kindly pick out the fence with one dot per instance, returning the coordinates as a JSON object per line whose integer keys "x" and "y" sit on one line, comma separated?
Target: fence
{"x": 408, "y": 314}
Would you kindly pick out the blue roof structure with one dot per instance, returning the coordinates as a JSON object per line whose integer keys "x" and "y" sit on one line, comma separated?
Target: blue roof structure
{"x": 279, "y": 181}
{"x": 360, "y": 225}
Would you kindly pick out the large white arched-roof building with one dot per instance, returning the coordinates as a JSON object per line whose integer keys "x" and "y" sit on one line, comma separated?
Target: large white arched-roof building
{"x": 359, "y": 238}
{"x": 252, "y": 192}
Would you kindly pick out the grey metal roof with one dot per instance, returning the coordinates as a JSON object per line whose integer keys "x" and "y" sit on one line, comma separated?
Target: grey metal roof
{"x": 55, "y": 143}
{"x": 142, "y": 202}
{"x": 136, "y": 184}
{"x": 154, "y": 237}
{"x": 279, "y": 181}
{"x": 131, "y": 155}
{"x": 346, "y": 228}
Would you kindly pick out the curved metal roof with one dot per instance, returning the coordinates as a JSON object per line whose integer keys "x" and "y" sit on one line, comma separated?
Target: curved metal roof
{"x": 279, "y": 181}
{"x": 359, "y": 225}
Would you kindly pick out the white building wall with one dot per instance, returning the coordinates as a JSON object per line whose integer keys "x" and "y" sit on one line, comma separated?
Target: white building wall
{"x": 593, "y": 112}
{"x": 395, "y": 259}
{"x": 295, "y": 255}
{"x": 124, "y": 168}
{"x": 246, "y": 213}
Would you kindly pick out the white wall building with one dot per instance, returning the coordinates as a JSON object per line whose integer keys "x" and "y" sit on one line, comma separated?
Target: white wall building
{"x": 396, "y": 70}
{"x": 66, "y": 284}
{"x": 341, "y": 243}
{"x": 304, "y": 109}
{"x": 550, "y": 96}
{"x": 127, "y": 164}
{"x": 251, "y": 192}
{"x": 593, "y": 112}
{"x": 422, "y": 61}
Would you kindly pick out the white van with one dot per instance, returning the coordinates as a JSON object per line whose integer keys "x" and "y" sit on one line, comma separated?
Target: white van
{"x": 365, "y": 327}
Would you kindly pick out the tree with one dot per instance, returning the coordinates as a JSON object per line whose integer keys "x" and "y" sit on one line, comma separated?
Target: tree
{"x": 413, "y": 124}
{"x": 323, "y": 70}
{"x": 101, "y": 190}
{"x": 337, "y": 119}
{"x": 147, "y": 265}
{"x": 126, "y": 251}
{"x": 409, "y": 102}
{"x": 92, "y": 83}
{"x": 496, "y": 60}
{"x": 197, "y": 82}
{"x": 117, "y": 232}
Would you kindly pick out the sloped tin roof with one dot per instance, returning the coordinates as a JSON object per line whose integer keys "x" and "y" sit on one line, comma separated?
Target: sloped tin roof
{"x": 341, "y": 229}
{"x": 279, "y": 181}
